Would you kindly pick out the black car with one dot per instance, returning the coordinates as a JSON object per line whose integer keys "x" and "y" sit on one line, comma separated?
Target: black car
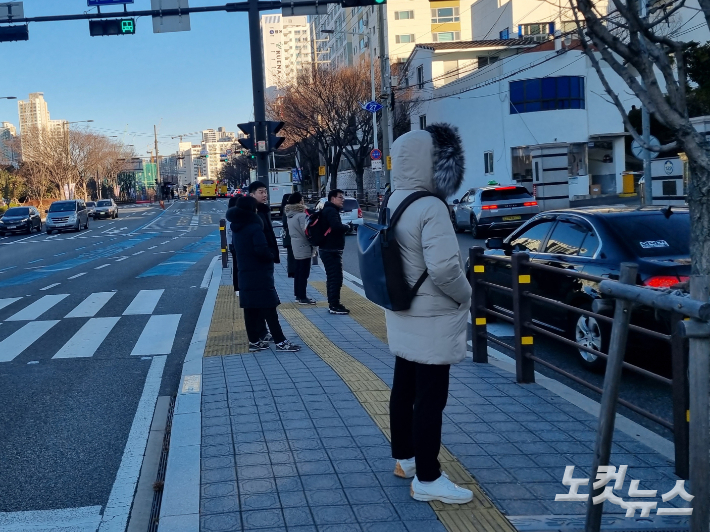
{"x": 20, "y": 219}
{"x": 595, "y": 241}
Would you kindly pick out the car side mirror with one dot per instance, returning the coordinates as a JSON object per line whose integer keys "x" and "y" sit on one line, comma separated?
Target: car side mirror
{"x": 46, "y": 211}
{"x": 456, "y": 202}
{"x": 495, "y": 243}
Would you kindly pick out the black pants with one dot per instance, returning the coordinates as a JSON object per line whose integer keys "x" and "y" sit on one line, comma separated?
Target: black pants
{"x": 333, "y": 264}
{"x": 417, "y": 402}
{"x": 254, "y": 319}
{"x": 235, "y": 270}
{"x": 302, "y": 271}
{"x": 290, "y": 262}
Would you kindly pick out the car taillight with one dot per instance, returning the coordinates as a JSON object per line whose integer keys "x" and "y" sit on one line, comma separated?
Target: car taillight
{"x": 489, "y": 207}
{"x": 359, "y": 212}
{"x": 664, "y": 281}
{"x": 505, "y": 188}
{"x": 530, "y": 204}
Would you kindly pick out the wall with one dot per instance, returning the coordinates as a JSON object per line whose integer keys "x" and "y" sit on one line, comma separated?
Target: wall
{"x": 489, "y": 17}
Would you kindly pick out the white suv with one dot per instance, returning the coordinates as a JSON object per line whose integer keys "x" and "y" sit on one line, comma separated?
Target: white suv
{"x": 351, "y": 213}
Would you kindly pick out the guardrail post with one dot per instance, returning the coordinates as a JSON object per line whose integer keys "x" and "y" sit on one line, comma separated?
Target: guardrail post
{"x": 699, "y": 367}
{"x": 524, "y": 366}
{"x": 479, "y": 341}
{"x": 610, "y": 395}
{"x": 679, "y": 359}
{"x": 223, "y": 241}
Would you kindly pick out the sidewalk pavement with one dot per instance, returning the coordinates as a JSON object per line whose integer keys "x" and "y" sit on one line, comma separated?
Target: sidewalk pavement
{"x": 299, "y": 441}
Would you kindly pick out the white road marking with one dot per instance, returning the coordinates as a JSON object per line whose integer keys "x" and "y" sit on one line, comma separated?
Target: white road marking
{"x": 209, "y": 272}
{"x": 102, "y": 266}
{"x": 91, "y": 305}
{"x": 121, "y": 259}
{"x": 119, "y": 502}
{"x": 83, "y": 519}
{"x": 36, "y": 309}
{"x": 50, "y": 286}
{"x": 77, "y": 275}
{"x": 164, "y": 242}
{"x": 8, "y": 301}
{"x": 152, "y": 247}
{"x": 138, "y": 253}
{"x": 8, "y": 268}
{"x": 144, "y": 302}
{"x": 21, "y": 339}
{"x": 158, "y": 335}
{"x": 195, "y": 221}
{"x": 87, "y": 339}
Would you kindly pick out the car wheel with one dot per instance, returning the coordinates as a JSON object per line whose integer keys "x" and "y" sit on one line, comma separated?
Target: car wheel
{"x": 78, "y": 226}
{"x": 589, "y": 332}
{"x": 86, "y": 225}
{"x": 116, "y": 215}
{"x": 49, "y": 231}
{"x": 29, "y": 229}
{"x": 475, "y": 230}
{"x": 457, "y": 228}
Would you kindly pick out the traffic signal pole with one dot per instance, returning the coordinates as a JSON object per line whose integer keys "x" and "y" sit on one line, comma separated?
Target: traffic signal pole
{"x": 257, "y": 81}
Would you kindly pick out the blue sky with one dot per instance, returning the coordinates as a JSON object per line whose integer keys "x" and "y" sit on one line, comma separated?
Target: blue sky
{"x": 183, "y": 82}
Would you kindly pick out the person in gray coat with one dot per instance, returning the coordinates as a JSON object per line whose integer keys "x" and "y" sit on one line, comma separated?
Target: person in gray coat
{"x": 431, "y": 335}
{"x": 302, "y": 250}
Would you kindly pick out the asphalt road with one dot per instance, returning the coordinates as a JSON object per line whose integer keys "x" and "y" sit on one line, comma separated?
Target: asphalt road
{"x": 87, "y": 321}
{"x": 639, "y": 390}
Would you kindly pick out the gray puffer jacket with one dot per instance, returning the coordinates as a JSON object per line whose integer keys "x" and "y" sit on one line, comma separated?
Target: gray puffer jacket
{"x": 433, "y": 330}
{"x": 296, "y": 220}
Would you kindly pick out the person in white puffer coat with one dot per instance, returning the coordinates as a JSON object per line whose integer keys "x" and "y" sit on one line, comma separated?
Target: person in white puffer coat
{"x": 431, "y": 335}
{"x": 302, "y": 250}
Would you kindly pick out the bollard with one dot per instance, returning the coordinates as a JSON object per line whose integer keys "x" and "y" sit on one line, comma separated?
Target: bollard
{"x": 223, "y": 241}
{"x": 479, "y": 341}
{"x": 524, "y": 366}
{"x": 679, "y": 360}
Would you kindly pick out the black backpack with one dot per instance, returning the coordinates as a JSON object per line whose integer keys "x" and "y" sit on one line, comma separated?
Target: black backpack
{"x": 380, "y": 259}
{"x": 316, "y": 228}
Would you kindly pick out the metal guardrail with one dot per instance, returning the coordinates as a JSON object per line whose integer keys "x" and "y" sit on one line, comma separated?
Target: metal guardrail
{"x": 689, "y": 394}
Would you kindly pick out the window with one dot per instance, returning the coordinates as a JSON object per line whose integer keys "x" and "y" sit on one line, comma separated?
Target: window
{"x": 540, "y": 31}
{"x": 570, "y": 26}
{"x": 486, "y": 60}
{"x": 420, "y": 77}
{"x": 504, "y": 34}
{"x": 566, "y": 238}
{"x": 522, "y": 164}
{"x": 446, "y": 36}
{"x": 404, "y": 39}
{"x": 444, "y": 14}
{"x": 488, "y": 161}
{"x": 546, "y": 94}
{"x": 403, "y": 15}
{"x": 422, "y": 121}
{"x": 531, "y": 239}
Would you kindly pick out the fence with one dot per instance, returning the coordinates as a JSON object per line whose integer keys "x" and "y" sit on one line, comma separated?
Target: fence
{"x": 691, "y": 448}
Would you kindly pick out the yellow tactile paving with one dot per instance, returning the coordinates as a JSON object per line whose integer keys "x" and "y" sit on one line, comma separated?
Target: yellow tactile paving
{"x": 480, "y": 515}
{"x": 227, "y": 335}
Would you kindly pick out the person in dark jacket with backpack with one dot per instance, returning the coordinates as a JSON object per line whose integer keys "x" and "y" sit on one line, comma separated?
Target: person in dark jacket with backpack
{"x": 257, "y": 294}
{"x": 331, "y": 249}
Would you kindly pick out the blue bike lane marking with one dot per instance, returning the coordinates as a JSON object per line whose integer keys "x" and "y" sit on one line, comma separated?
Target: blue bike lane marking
{"x": 185, "y": 258}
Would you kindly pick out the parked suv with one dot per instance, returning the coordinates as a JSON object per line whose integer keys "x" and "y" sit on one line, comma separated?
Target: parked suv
{"x": 25, "y": 219}
{"x": 351, "y": 213}
{"x": 106, "y": 209}
{"x": 493, "y": 207}
{"x": 67, "y": 215}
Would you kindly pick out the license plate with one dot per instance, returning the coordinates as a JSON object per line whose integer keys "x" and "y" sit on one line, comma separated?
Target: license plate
{"x": 510, "y": 218}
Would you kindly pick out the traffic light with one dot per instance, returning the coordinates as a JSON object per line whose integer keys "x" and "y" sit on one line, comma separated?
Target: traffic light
{"x": 360, "y": 3}
{"x": 14, "y": 33}
{"x": 274, "y": 141}
{"x": 248, "y": 128}
{"x": 114, "y": 26}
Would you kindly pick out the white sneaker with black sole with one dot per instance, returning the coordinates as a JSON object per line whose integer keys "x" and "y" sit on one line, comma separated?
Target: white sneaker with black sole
{"x": 442, "y": 489}
{"x": 258, "y": 346}
{"x": 287, "y": 346}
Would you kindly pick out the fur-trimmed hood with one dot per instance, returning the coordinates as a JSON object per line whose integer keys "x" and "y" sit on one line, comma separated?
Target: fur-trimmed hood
{"x": 430, "y": 159}
{"x": 240, "y": 218}
{"x": 293, "y": 210}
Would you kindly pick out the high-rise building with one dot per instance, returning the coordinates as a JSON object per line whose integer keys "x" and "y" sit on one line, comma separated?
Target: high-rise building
{"x": 224, "y": 134}
{"x": 35, "y": 122}
{"x": 209, "y": 135}
{"x": 7, "y": 152}
{"x": 287, "y": 49}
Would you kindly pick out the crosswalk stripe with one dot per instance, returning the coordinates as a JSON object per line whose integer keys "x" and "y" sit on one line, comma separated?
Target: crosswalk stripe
{"x": 144, "y": 302}
{"x": 87, "y": 339}
{"x": 8, "y": 301}
{"x": 36, "y": 309}
{"x": 91, "y": 305}
{"x": 158, "y": 335}
{"x": 21, "y": 339}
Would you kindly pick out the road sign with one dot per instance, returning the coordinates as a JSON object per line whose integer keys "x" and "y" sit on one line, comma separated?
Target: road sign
{"x": 229, "y": 152}
{"x": 11, "y": 10}
{"x": 170, "y": 23}
{"x": 93, "y": 3}
{"x": 637, "y": 150}
{"x": 377, "y": 165}
{"x": 321, "y": 170}
{"x": 260, "y": 145}
{"x": 389, "y": 163}
{"x": 376, "y": 154}
{"x": 296, "y": 175}
{"x": 372, "y": 107}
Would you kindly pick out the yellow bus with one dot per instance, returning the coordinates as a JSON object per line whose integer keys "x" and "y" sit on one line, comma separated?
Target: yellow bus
{"x": 208, "y": 189}
{"x": 223, "y": 189}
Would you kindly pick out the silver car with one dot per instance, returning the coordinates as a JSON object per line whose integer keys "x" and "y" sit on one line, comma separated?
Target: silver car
{"x": 493, "y": 207}
{"x": 69, "y": 215}
{"x": 106, "y": 208}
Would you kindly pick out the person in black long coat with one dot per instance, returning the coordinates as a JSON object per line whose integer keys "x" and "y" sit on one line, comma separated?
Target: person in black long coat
{"x": 257, "y": 292}
{"x": 235, "y": 279}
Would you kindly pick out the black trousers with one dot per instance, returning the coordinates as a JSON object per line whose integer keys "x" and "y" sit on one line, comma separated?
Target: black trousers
{"x": 333, "y": 264}
{"x": 254, "y": 319}
{"x": 302, "y": 270}
{"x": 235, "y": 270}
{"x": 417, "y": 402}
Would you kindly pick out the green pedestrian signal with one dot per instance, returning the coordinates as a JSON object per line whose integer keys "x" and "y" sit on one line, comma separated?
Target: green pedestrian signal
{"x": 128, "y": 26}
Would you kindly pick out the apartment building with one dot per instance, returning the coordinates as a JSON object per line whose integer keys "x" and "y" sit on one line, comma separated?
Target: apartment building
{"x": 7, "y": 154}
{"x": 35, "y": 121}
{"x": 286, "y": 43}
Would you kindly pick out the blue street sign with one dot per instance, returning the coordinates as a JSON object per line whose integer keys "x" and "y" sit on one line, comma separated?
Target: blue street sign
{"x": 375, "y": 155}
{"x": 296, "y": 175}
{"x": 373, "y": 107}
{"x": 93, "y": 3}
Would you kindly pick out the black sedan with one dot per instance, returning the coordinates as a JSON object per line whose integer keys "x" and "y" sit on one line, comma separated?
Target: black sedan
{"x": 20, "y": 219}
{"x": 595, "y": 241}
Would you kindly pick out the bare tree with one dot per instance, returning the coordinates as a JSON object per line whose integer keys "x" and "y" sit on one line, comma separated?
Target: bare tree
{"x": 654, "y": 66}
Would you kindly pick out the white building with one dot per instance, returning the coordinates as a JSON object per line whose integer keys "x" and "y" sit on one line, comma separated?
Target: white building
{"x": 209, "y": 135}
{"x": 287, "y": 49}
{"x": 7, "y": 154}
{"x": 539, "y": 117}
{"x": 35, "y": 120}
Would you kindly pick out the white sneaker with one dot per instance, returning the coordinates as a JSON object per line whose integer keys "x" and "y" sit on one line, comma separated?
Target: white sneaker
{"x": 442, "y": 489}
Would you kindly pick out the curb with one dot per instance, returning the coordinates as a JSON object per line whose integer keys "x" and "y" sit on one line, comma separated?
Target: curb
{"x": 180, "y": 506}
